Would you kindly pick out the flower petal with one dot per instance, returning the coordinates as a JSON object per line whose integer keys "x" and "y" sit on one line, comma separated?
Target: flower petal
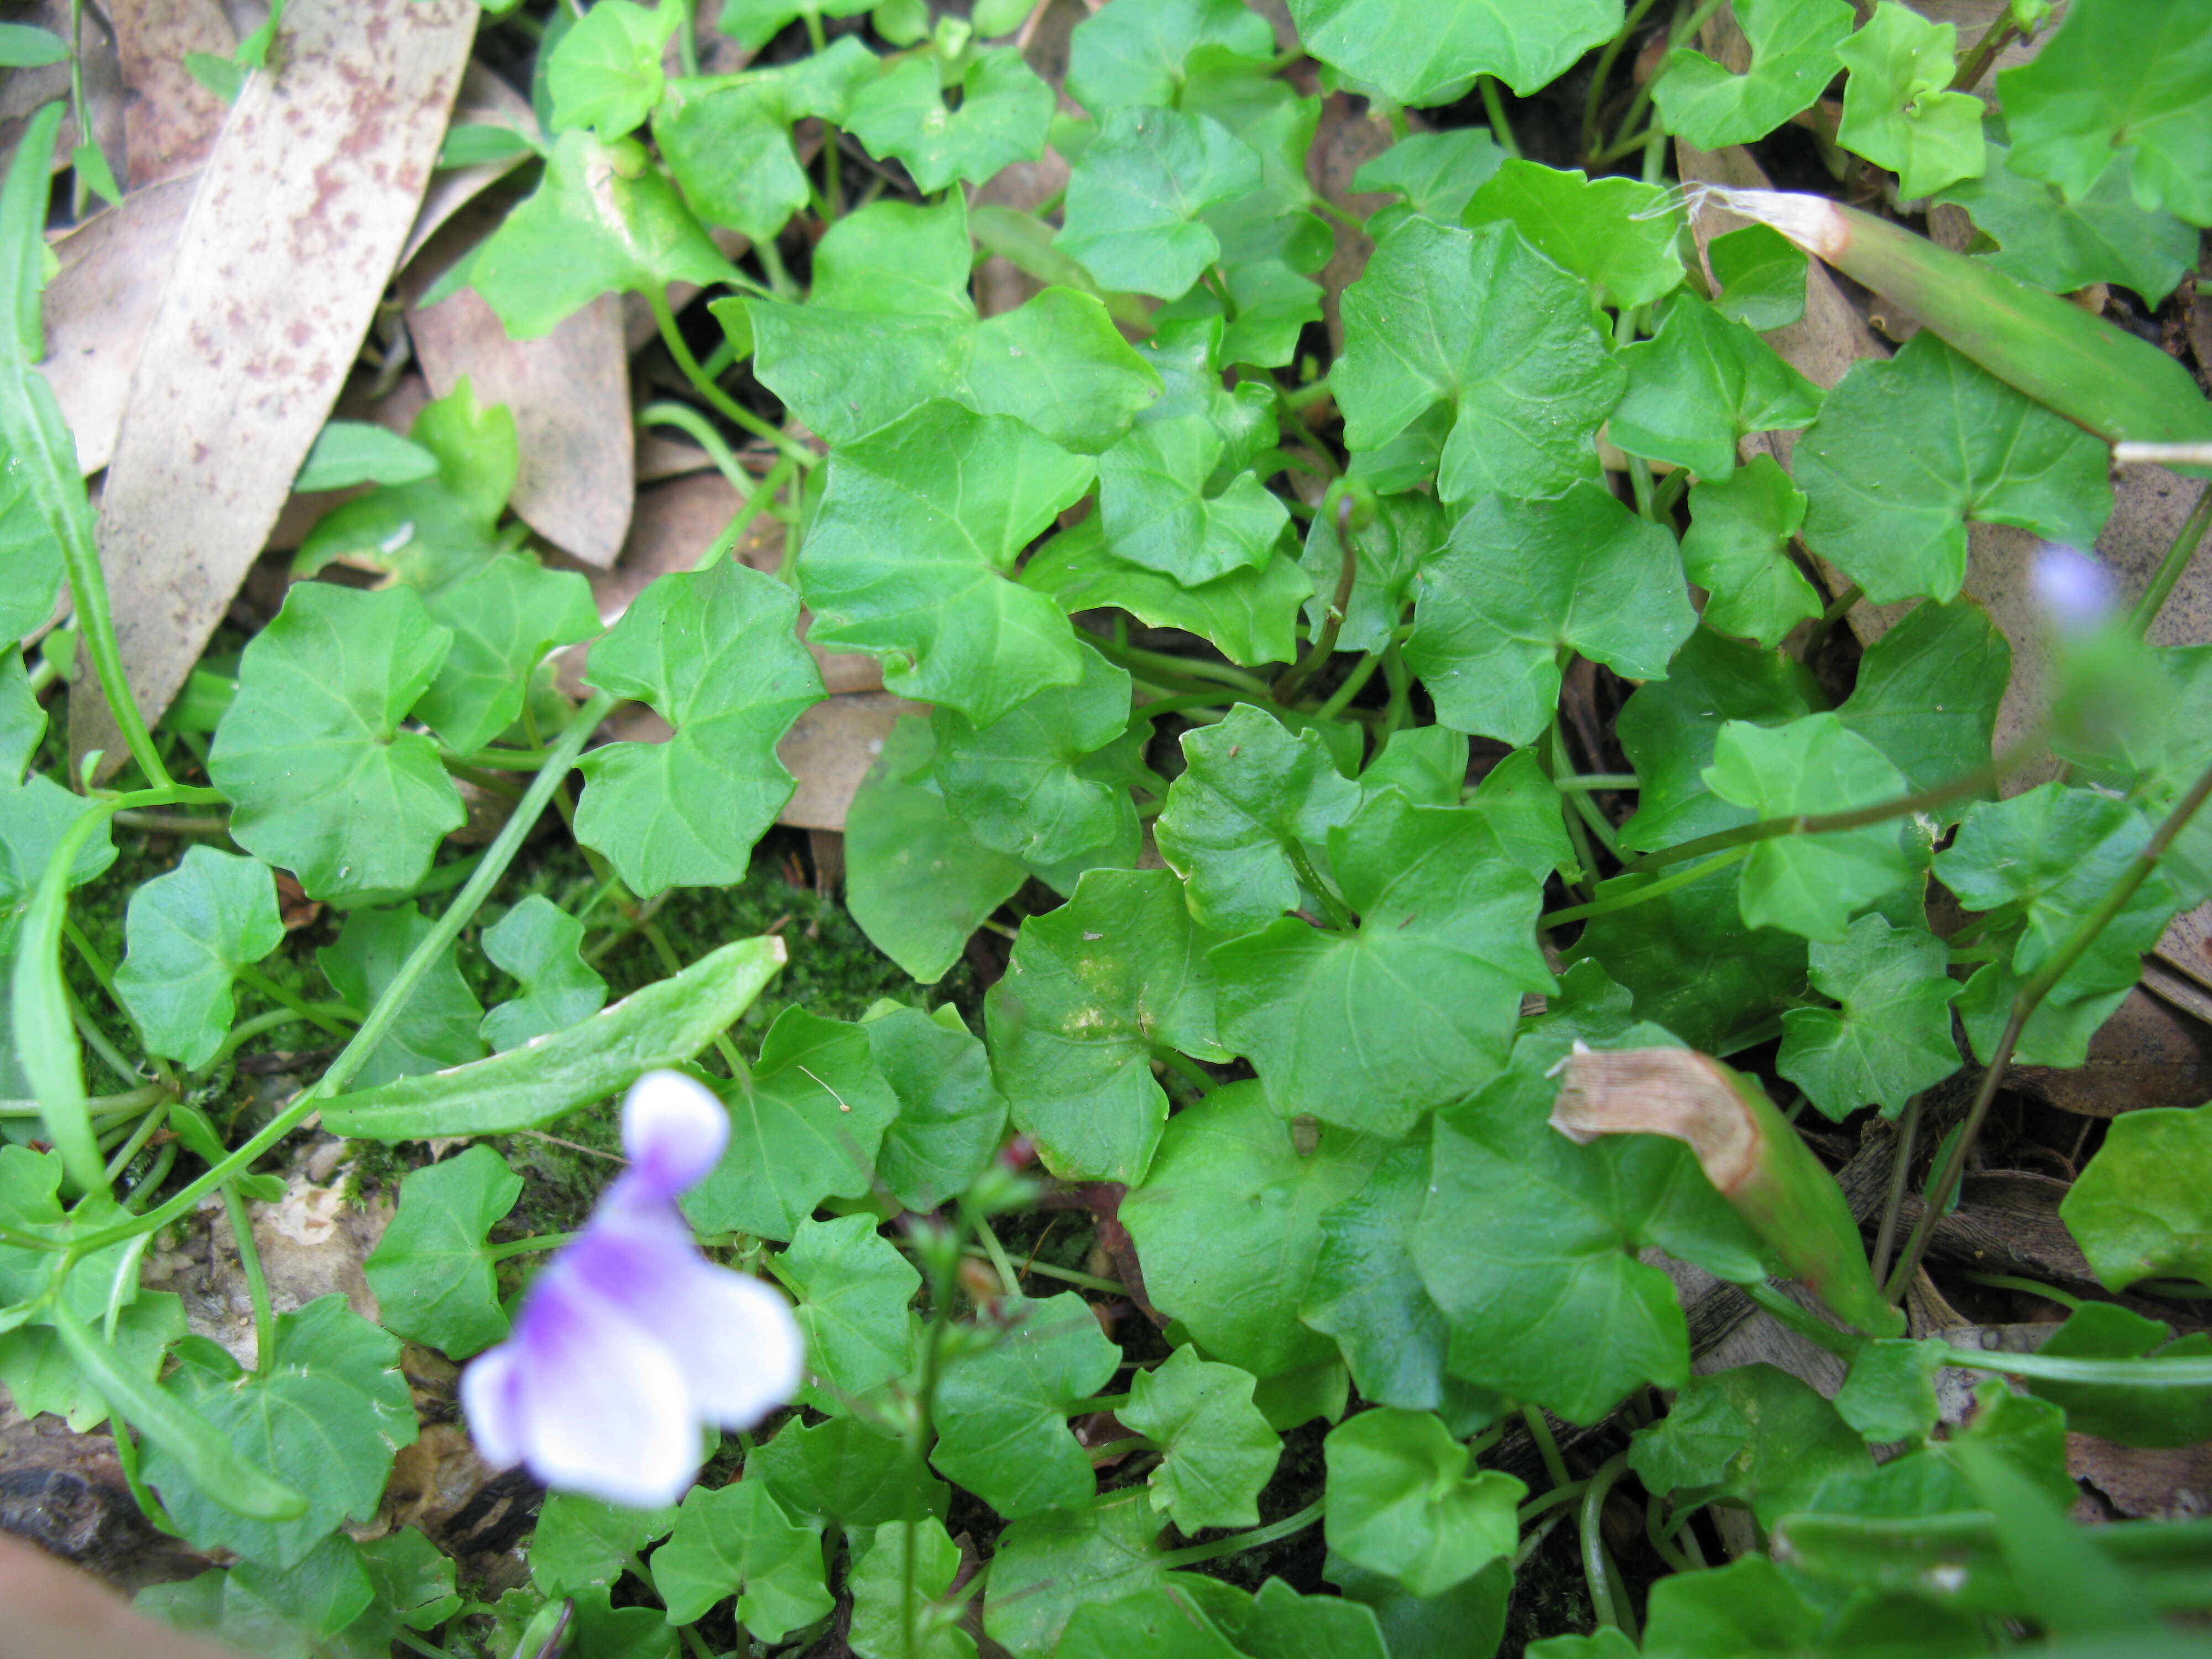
{"x": 674, "y": 1130}
{"x": 734, "y": 1337}
{"x": 492, "y": 1405}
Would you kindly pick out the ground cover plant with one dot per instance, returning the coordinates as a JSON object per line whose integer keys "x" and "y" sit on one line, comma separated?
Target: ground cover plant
{"x": 1419, "y": 897}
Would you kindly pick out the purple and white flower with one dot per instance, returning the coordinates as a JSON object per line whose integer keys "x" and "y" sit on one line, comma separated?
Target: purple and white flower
{"x": 630, "y": 1341}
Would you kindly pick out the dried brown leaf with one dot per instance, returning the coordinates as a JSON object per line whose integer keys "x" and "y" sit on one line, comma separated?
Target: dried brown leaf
{"x": 171, "y": 120}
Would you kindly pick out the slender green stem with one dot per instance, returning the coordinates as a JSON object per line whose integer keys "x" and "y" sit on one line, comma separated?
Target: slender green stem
{"x": 2025, "y": 1287}
{"x": 170, "y": 823}
{"x": 1817, "y": 1332}
{"x": 1493, "y": 108}
{"x": 121, "y": 1105}
{"x": 1237, "y": 1543}
{"x": 247, "y": 1029}
{"x": 378, "y": 1024}
{"x": 1065, "y": 1275}
{"x": 1144, "y": 663}
{"x": 142, "y": 1133}
{"x": 285, "y": 998}
{"x": 1577, "y": 801}
{"x": 1837, "y": 608}
{"x": 1596, "y": 1565}
{"x": 2025, "y": 1002}
{"x": 1885, "y": 1239}
{"x": 1555, "y": 1466}
{"x": 1629, "y": 900}
{"x": 1603, "y": 72}
{"x": 702, "y": 432}
{"x": 1184, "y": 1067}
{"x": 724, "y": 404}
{"x": 1660, "y": 1537}
{"x": 1350, "y": 686}
{"x": 1598, "y": 780}
{"x": 97, "y": 1040}
{"x": 1670, "y": 492}
{"x": 920, "y": 1432}
{"x": 257, "y": 1282}
{"x": 687, "y": 37}
{"x": 2192, "y": 1372}
{"x": 832, "y": 191}
{"x": 1548, "y": 1500}
{"x": 1324, "y": 642}
{"x": 1009, "y": 1280}
{"x": 2185, "y": 543}
{"x": 2000, "y": 34}
{"x": 1334, "y": 909}
{"x": 1313, "y": 391}
{"x": 531, "y": 1246}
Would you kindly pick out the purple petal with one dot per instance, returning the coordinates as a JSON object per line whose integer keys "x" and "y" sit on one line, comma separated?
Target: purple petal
{"x": 2075, "y": 590}
{"x": 674, "y": 1130}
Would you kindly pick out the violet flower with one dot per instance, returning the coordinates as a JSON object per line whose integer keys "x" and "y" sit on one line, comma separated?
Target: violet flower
{"x": 629, "y": 1340}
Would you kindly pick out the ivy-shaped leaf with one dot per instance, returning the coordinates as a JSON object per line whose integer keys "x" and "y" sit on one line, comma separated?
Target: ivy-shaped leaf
{"x": 890, "y": 1601}
{"x": 1807, "y": 884}
{"x": 1387, "y": 557}
{"x": 605, "y": 72}
{"x": 1897, "y": 112}
{"x": 2036, "y": 235}
{"x": 952, "y": 1116}
{"x": 1737, "y": 547}
{"x": 1002, "y": 1410}
{"x": 1480, "y": 320}
{"x": 321, "y": 779}
{"x": 190, "y": 932}
{"x": 1057, "y": 363}
{"x": 913, "y": 550}
{"x": 540, "y": 944}
{"x": 1436, "y": 173}
{"x": 1003, "y": 114}
{"x": 1228, "y": 1225}
{"x": 1517, "y": 580}
{"x": 1907, "y": 450}
{"x": 1140, "y": 51}
{"x": 715, "y": 653}
{"x": 1091, "y": 989}
{"x": 1373, "y": 1025}
{"x": 1614, "y": 234}
{"x": 1403, "y": 1500}
{"x": 433, "y": 1279}
{"x": 437, "y": 1024}
{"x": 2134, "y": 1416}
{"x": 728, "y": 143}
{"x": 737, "y": 1541}
{"x": 2131, "y": 77}
{"x": 848, "y": 1472}
{"x": 1161, "y": 509}
{"x": 1252, "y": 801}
{"x": 854, "y": 1293}
{"x": 1793, "y": 58}
{"x": 505, "y": 616}
{"x": 1052, "y": 1564}
{"x": 1135, "y": 194}
{"x": 325, "y": 1418}
{"x": 1928, "y": 693}
{"x": 1219, "y": 1449}
{"x": 1419, "y": 55}
{"x": 804, "y": 1127}
{"x": 1700, "y": 386}
{"x": 1892, "y": 1036}
{"x": 1247, "y": 615}
{"x": 753, "y": 23}
{"x": 1762, "y": 276}
{"x": 1751, "y": 1435}
{"x": 28, "y": 553}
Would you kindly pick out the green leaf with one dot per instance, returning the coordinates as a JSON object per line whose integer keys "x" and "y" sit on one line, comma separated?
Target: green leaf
{"x": 1247, "y": 615}
{"x": 1762, "y": 277}
{"x": 1752, "y": 1436}
{"x": 540, "y": 944}
{"x": 436, "y": 528}
{"x": 1746, "y": 1608}
{"x": 349, "y": 452}
{"x": 737, "y": 1541}
{"x": 2131, "y": 77}
{"x": 881, "y": 1582}
{"x": 1702, "y": 384}
{"x": 1003, "y": 114}
{"x": 1140, "y": 51}
{"x": 1889, "y": 1392}
{"x": 1526, "y": 1234}
{"x": 1403, "y": 1500}
{"x": 1042, "y": 782}
{"x": 580, "y": 1541}
{"x": 1136, "y": 192}
{"x": 847, "y": 373}
{"x": 1897, "y": 112}
{"x": 605, "y": 72}
{"x": 2161, "y": 755}
{"x": 604, "y": 219}
{"x": 1366, "y": 1293}
{"x": 897, "y": 258}
{"x": 1162, "y": 510}
{"x": 664, "y": 1024}
{"x": 190, "y": 933}
{"x": 854, "y": 1292}
{"x": 34, "y": 815}
{"x": 1169, "y": 1621}
{"x": 321, "y": 779}
{"x": 433, "y": 1277}
{"x": 1228, "y": 1224}
{"x": 1090, "y": 990}
{"x": 751, "y": 23}
{"x": 1669, "y": 731}
{"x": 849, "y": 1473}
{"x": 1436, "y": 172}
{"x": 1049, "y": 1565}
{"x": 1283, "y": 1625}
{"x": 1251, "y": 798}
{"x": 2054, "y": 852}
{"x": 913, "y": 550}
{"x": 39, "y": 1375}
{"x": 1928, "y": 693}
{"x": 1059, "y": 364}
{"x": 950, "y": 1117}
{"x": 2142, "y": 1209}
{"x": 506, "y": 615}
{"x": 1220, "y": 1451}
{"x": 1001, "y": 1411}
{"x": 1421, "y": 56}
{"x": 1480, "y": 320}
{"x": 1386, "y": 558}
{"x": 1429, "y": 763}
{"x": 1905, "y": 450}
{"x": 2132, "y": 1415}
{"x": 728, "y": 143}
{"x": 325, "y": 1418}
{"x": 28, "y": 553}
{"x": 2043, "y": 239}
{"x": 917, "y": 880}
{"x": 1616, "y": 235}
{"x": 805, "y": 1126}
{"x": 1371, "y": 1026}
{"x": 22, "y": 47}
{"x": 437, "y": 1024}
{"x": 1737, "y": 547}
{"x": 1793, "y": 58}
{"x": 1806, "y": 884}
{"x": 256, "y": 1609}
{"x": 413, "y": 1581}
{"x": 716, "y": 654}
{"x": 1520, "y": 580}
{"x": 1892, "y": 1036}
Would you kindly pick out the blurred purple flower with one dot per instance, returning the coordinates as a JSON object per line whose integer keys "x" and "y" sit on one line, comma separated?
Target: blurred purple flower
{"x": 2074, "y": 590}
{"x": 629, "y": 1340}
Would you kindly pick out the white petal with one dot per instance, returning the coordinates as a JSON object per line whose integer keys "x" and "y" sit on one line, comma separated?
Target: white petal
{"x": 488, "y": 1402}
{"x": 734, "y": 1337}
{"x": 605, "y": 1408}
{"x": 674, "y": 1130}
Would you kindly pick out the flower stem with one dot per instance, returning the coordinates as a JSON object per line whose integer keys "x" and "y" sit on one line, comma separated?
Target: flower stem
{"x": 1547, "y": 1448}
{"x": 1614, "y": 902}
{"x": 1237, "y": 1543}
{"x": 724, "y": 404}
{"x": 257, "y": 1282}
{"x": 1597, "y": 1566}
{"x": 2170, "y": 567}
{"x": 1493, "y": 108}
